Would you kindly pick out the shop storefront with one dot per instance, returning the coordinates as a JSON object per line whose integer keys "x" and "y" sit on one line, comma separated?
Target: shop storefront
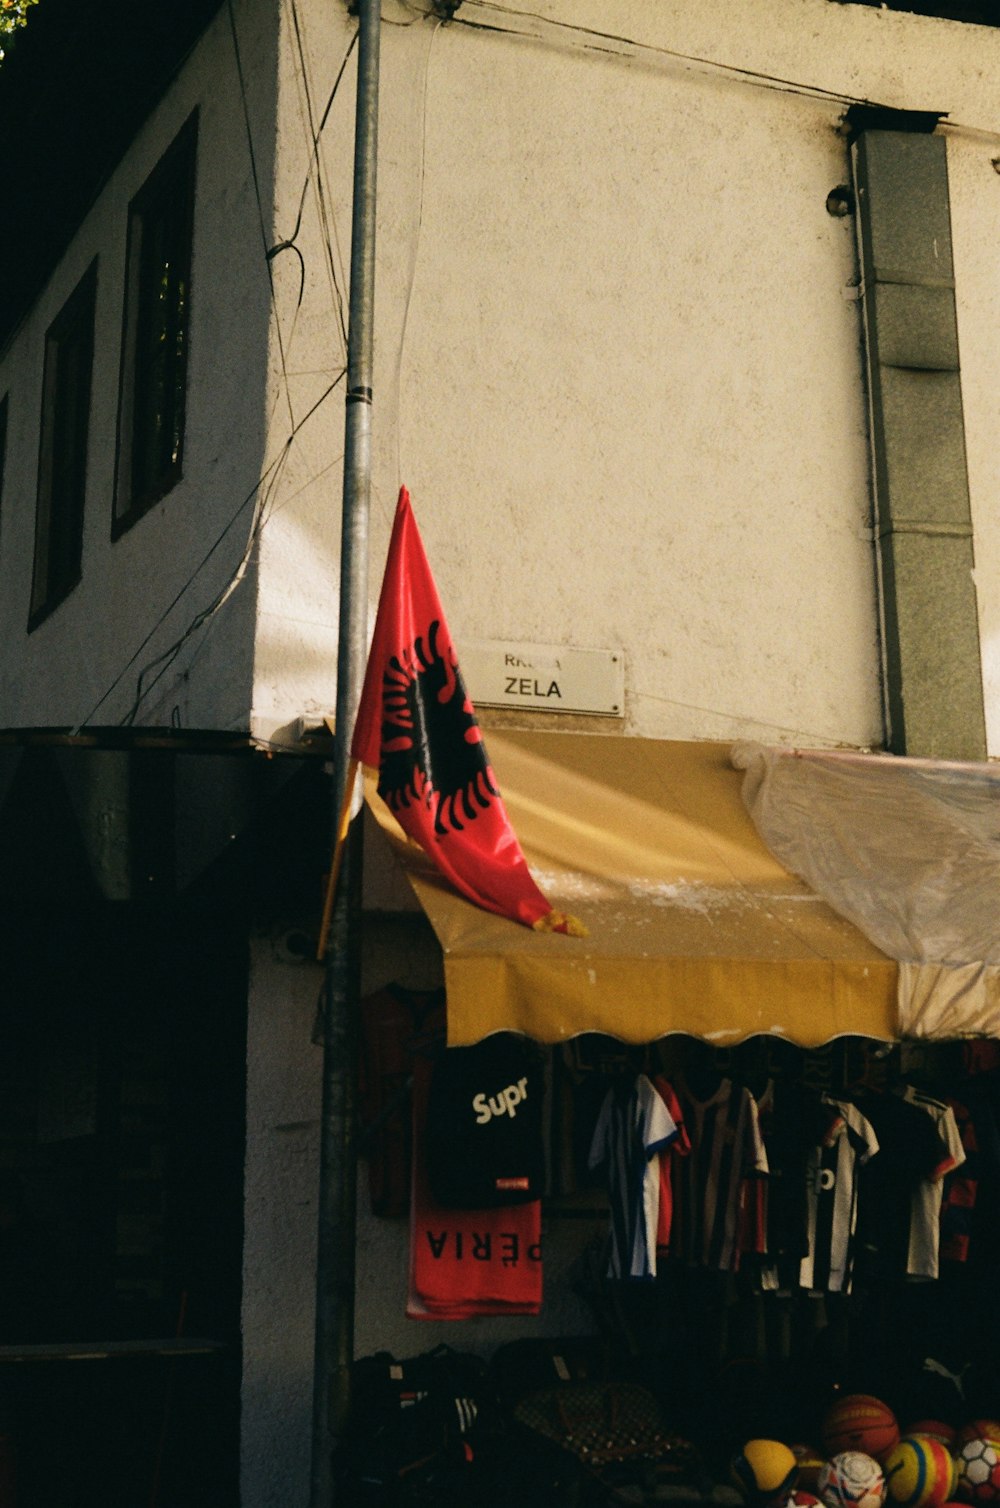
{"x": 768, "y": 1122}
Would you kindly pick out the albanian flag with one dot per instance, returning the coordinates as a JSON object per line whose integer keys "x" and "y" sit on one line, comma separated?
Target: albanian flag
{"x": 418, "y": 728}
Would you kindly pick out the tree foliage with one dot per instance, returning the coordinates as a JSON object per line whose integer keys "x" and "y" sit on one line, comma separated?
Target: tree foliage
{"x": 13, "y": 15}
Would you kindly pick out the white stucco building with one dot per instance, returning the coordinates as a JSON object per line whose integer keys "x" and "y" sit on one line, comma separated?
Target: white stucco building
{"x": 634, "y": 361}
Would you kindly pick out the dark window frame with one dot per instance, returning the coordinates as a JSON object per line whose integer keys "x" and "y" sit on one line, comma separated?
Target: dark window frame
{"x": 156, "y": 334}
{"x": 67, "y": 380}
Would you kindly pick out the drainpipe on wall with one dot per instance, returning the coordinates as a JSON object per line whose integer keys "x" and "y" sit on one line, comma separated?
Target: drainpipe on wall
{"x": 923, "y": 519}
{"x": 335, "y": 1261}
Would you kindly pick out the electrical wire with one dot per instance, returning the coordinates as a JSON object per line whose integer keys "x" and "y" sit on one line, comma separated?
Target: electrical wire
{"x": 317, "y": 135}
{"x": 268, "y": 481}
{"x": 612, "y": 43}
{"x": 740, "y": 717}
{"x": 167, "y": 657}
{"x": 269, "y": 478}
{"x": 328, "y": 223}
{"x": 415, "y": 19}
{"x": 260, "y": 201}
{"x": 330, "y": 238}
{"x": 604, "y": 41}
{"x": 262, "y": 515}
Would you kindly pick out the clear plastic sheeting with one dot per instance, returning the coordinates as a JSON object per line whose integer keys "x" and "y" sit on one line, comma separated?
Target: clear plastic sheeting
{"x": 907, "y": 850}
{"x": 939, "y": 1001}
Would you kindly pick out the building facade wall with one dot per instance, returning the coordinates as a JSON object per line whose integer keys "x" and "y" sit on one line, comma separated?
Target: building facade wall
{"x": 619, "y": 348}
{"x": 97, "y": 658}
{"x": 618, "y": 364}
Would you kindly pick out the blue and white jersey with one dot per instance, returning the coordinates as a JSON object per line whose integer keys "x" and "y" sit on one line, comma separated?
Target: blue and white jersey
{"x": 633, "y": 1126}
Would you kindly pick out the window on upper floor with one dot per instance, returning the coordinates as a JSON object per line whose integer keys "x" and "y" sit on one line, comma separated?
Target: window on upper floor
{"x": 152, "y": 394}
{"x": 62, "y": 456}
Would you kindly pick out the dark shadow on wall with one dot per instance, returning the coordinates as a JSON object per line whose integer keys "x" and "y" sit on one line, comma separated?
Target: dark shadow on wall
{"x": 74, "y": 87}
{"x": 976, "y": 12}
{"x": 122, "y": 1113}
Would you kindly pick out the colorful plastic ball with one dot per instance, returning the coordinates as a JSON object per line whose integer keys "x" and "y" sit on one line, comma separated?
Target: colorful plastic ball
{"x": 933, "y": 1429}
{"x": 920, "y": 1473}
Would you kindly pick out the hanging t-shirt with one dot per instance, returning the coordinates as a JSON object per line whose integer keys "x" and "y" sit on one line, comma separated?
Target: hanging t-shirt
{"x": 970, "y": 1214}
{"x": 922, "y": 1258}
{"x": 910, "y": 1150}
{"x": 831, "y": 1189}
{"x": 484, "y": 1140}
{"x": 668, "y": 1161}
{"x": 960, "y": 1190}
{"x": 396, "y": 1024}
{"x": 632, "y": 1127}
{"x": 466, "y": 1262}
{"x": 793, "y": 1121}
{"x": 726, "y": 1149}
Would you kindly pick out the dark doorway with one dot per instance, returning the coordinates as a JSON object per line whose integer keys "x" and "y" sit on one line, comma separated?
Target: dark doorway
{"x": 122, "y": 1083}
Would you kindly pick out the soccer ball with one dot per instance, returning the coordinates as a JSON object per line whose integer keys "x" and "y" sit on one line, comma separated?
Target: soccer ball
{"x": 978, "y": 1429}
{"x": 852, "y": 1479}
{"x": 978, "y": 1463}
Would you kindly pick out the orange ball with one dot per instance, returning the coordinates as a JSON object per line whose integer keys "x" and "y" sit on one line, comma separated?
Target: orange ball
{"x": 860, "y": 1422}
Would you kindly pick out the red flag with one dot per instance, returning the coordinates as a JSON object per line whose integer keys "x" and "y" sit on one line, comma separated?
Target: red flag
{"x": 418, "y": 728}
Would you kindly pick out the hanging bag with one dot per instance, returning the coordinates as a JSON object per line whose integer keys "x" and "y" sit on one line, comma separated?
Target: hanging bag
{"x": 413, "y": 1423}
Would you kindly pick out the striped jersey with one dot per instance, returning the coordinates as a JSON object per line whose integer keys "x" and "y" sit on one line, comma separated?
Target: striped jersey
{"x": 679, "y": 1147}
{"x": 726, "y": 1150}
{"x": 832, "y": 1198}
{"x": 969, "y": 1224}
{"x": 632, "y": 1127}
{"x": 792, "y": 1120}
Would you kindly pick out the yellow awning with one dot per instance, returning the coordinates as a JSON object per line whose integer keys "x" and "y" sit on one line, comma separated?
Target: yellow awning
{"x": 693, "y": 925}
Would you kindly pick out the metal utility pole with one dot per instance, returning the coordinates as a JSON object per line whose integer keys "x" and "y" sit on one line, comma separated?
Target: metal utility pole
{"x": 335, "y": 1275}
